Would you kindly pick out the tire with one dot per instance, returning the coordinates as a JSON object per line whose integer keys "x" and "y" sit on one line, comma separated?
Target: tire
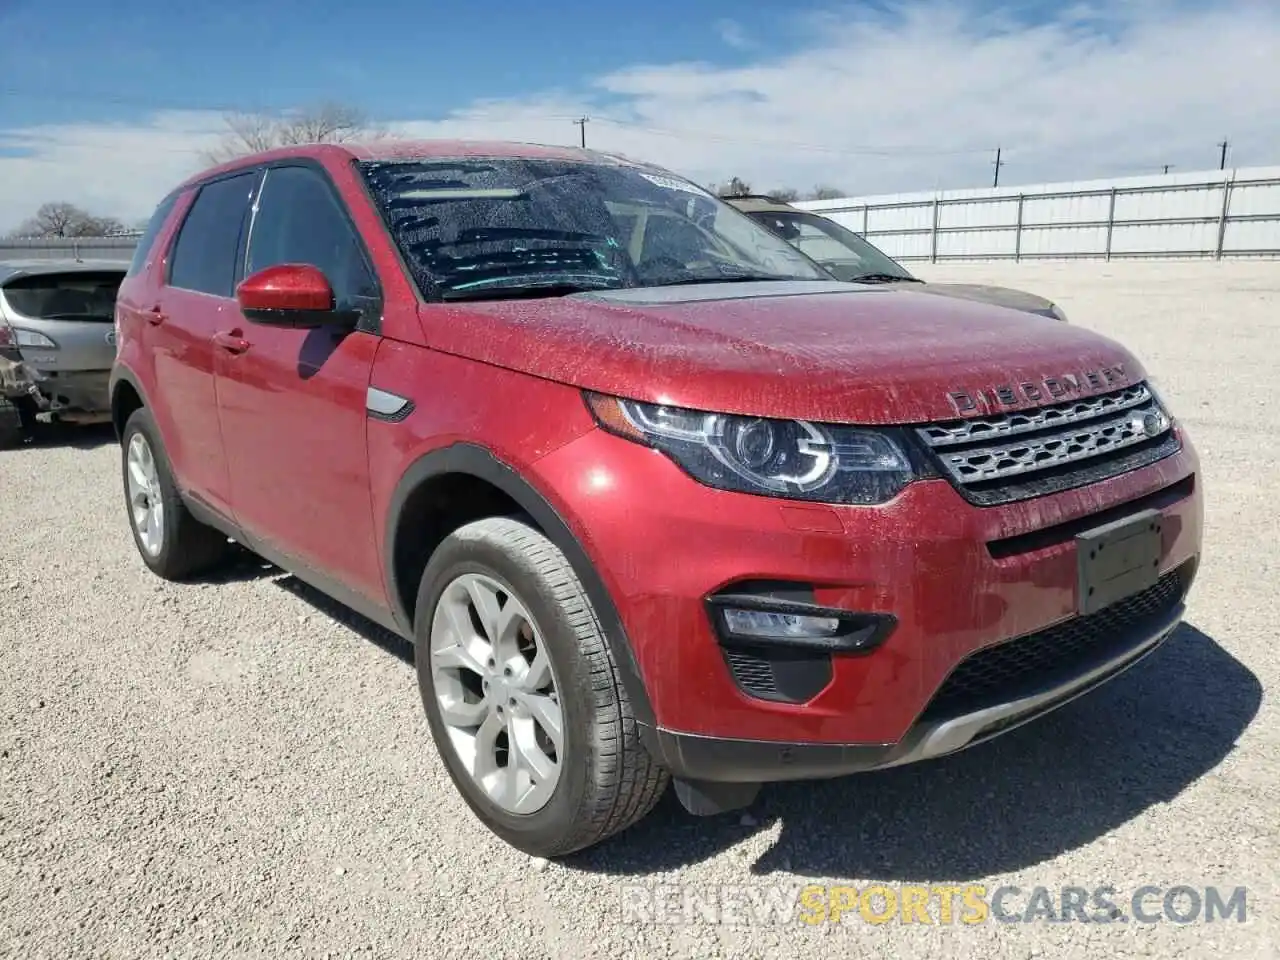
{"x": 12, "y": 432}
{"x": 32, "y": 428}
{"x": 27, "y": 410}
{"x": 178, "y": 546}
{"x": 606, "y": 780}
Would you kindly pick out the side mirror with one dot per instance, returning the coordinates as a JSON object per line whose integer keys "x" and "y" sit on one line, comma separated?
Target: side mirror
{"x": 289, "y": 295}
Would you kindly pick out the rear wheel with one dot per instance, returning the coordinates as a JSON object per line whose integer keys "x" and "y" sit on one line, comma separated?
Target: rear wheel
{"x": 173, "y": 544}
{"x": 28, "y": 410}
{"x": 522, "y": 694}
{"x": 11, "y": 425}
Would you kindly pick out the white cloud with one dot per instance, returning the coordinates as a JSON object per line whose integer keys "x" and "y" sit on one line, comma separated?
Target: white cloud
{"x": 871, "y": 100}
{"x": 117, "y": 170}
{"x": 734, "y": 34}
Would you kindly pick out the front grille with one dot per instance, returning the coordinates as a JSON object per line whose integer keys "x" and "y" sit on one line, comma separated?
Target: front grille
{"x": 1015, "y": 668}
{"x": 1014, "y": 456}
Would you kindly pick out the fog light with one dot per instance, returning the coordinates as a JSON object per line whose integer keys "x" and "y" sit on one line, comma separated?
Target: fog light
{"x": 765, "y": 624}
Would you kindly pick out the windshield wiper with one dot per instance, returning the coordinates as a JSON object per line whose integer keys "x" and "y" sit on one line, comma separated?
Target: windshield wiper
{"x": 527, "y": 291}
{"x": 720, "y": 278}
{"x": 883, "y": 278}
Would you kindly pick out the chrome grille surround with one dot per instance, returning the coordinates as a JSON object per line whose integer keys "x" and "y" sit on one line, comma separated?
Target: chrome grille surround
{"x": 1097, "y": 436}
{"x": 1011, "y": 424}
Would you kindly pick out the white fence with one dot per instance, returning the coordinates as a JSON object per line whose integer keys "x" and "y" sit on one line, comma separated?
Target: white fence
{"x": 69, "y": 248}
{"x": 1218, "y": 213}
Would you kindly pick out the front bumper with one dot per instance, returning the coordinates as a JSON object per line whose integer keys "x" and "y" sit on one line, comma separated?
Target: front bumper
{"x": 719, "y": 759}
{"x": 956, "y": 578}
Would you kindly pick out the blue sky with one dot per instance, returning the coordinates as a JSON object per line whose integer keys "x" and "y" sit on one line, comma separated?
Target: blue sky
{"x": 108, "y": 103}
{"x": 112, "y": 60}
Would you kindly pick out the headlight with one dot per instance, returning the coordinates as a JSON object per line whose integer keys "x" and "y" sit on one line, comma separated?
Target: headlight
{"x": 794, "y": 459}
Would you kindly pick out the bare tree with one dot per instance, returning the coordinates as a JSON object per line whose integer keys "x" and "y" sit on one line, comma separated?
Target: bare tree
{"x": 67, "y": 220}
{"x": 326, "y": 123}
{"x": 734, "y": 187}
{"x": 822, "y": 192}
{"x": 784, "y": 195}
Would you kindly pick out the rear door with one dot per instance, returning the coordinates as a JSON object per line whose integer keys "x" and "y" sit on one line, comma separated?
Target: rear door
{"x": 195, "y": 301}
{"x": 293, "y": 402}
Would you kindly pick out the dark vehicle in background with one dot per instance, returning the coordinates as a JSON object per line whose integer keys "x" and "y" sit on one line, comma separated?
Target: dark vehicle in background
{"x": 848, "y": 256}
{"x": 57, "y": 341}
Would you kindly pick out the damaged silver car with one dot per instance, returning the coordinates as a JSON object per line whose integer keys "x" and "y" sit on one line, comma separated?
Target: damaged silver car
{"x": 57, "y": 342}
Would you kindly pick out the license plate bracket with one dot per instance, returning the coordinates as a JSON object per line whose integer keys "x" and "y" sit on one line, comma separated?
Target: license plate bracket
{"x": 1117, "y": 560}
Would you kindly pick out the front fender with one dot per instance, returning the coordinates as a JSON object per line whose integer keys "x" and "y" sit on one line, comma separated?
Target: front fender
{"x": 473, "y": 460}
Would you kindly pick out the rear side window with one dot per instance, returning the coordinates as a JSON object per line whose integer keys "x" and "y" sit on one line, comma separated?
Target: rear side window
{"x": 204, "y": 257}
{"x": 148, "y": 238}
{"x": 79, "y": 295}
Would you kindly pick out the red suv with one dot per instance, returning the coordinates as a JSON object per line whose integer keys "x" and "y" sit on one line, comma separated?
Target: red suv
{"x": 655, "y": 498}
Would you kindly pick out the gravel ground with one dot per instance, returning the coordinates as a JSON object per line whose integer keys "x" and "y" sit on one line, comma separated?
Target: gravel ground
{"x": 242, "y": 769}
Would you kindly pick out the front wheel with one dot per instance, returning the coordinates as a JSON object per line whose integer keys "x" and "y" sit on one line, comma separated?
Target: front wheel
{"x": 522, "y": 694}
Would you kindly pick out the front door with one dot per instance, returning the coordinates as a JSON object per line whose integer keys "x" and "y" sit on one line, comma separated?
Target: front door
{"x": 292, "y": 402}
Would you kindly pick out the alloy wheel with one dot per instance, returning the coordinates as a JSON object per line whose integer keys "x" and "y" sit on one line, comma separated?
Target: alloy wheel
{"x": 497, "y": 693}
{"x": 146, "y": 503}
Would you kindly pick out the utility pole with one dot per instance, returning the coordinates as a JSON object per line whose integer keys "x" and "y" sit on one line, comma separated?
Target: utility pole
{"x": 1222, "y": 164}
{"x": 998, "y": 164}
{"x": 1167, "y": 166}
{"x": 582, "y": 125}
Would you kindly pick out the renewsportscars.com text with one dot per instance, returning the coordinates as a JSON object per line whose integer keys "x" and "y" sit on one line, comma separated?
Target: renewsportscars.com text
{"x": 961, "y": 904}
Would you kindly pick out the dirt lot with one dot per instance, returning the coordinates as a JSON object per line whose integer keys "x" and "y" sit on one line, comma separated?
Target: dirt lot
{"x": 242, "y": 769}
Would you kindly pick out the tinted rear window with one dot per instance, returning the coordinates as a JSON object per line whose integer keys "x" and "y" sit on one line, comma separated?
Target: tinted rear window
{"x": 65, "y": 296}
{"x": 204, "y": 256}
{"x": 148, "y": 237}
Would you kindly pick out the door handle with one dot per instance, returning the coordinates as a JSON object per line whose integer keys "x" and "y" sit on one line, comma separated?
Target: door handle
{"x": 156, "y": 316}
{"x": 231, "y": 342}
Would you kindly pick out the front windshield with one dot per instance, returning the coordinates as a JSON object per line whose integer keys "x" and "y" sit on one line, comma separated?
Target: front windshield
{"x": 490, "y": 226}
{"x": 842, "y": 252}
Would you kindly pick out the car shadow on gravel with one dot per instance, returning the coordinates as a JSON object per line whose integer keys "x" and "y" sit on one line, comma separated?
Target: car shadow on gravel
{"x": 247, "y": 566}
{"x": 1052, "y": 786}
{"x": 243, "y": 567}
{"x": 379, "y": 636}
{"x": 71, "y": 436}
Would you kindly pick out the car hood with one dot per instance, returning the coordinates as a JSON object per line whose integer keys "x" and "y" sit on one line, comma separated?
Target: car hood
{"x": 829, "y": 351}
{"x": 1000, "y": 296}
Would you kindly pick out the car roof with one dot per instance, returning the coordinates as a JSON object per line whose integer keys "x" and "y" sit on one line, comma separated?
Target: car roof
{"x": 393, "y": 149}
{"x": 13, "y": 269}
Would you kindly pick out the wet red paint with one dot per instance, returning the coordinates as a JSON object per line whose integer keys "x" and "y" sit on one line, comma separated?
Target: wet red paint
{"x": 286, "y": 286}
{"x": 665, "y": 544}
{"x": 839, "y": 354}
